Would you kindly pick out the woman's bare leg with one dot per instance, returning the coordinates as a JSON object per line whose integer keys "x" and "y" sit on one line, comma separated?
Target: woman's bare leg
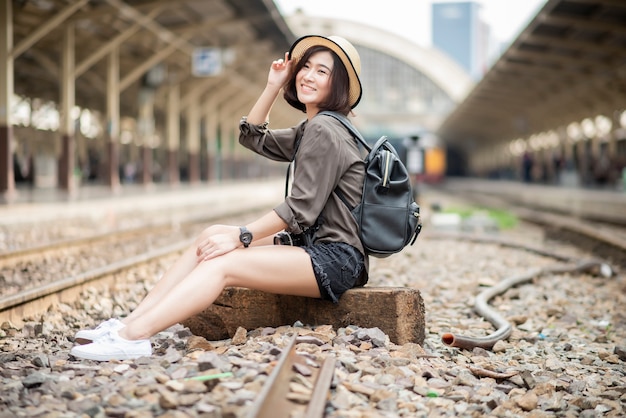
{"x": 274, "y": 269}
{"x": 177, "y": 272}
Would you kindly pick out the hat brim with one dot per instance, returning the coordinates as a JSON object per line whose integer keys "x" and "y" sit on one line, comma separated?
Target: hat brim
{"x": 300, "y": 46}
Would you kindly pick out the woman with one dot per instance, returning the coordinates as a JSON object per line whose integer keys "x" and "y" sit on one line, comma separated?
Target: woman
{"x": 318, "y": 73}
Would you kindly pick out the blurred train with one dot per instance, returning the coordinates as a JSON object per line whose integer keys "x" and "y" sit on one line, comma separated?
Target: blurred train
{"x": 424, "y": 157}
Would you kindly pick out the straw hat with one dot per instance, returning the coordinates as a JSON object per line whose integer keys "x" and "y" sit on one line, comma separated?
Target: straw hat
{"x": 344, "y": 50}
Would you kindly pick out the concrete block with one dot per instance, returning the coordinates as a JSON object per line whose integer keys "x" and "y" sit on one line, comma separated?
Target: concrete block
{"x": 397, "y": 311}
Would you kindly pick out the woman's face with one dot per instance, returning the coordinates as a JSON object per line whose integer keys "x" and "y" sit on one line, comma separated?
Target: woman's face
{"x": 313, "y": 80}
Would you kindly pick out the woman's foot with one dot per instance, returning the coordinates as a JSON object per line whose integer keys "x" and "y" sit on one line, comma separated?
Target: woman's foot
{"x": 113, "y": 347}
{"x": 87, "y": 336}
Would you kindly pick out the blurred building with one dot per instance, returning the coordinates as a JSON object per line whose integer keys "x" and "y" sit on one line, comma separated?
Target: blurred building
{"x": 459, "y": 32}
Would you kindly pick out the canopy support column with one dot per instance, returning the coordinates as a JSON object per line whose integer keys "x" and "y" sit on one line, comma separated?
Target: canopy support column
{"x": 68, "y": 146}
{"x": 146, "y": 133}
{"x": 113, "y": 118}
{"x": 7, "y": 179}
{"x": 193, "y": 141}
{"x": 173, "y": 133}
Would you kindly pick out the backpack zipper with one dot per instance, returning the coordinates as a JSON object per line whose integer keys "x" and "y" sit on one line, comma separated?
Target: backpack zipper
{"x": 387, "y": 164}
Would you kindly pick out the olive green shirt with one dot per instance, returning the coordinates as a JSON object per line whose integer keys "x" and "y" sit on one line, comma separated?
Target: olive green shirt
{"x": 328, "y": 157}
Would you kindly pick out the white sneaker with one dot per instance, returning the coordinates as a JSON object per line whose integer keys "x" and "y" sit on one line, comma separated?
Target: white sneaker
{"x": 89, "y": 335}
{"x": 113, "y": 347}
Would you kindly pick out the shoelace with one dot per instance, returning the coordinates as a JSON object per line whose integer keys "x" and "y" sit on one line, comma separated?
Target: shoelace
{"x": 106, "y": 324}
{"x": 116, "y": 342}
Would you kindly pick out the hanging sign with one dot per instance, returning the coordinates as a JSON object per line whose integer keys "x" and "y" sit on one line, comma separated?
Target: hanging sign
{"x": 206, "y": 62}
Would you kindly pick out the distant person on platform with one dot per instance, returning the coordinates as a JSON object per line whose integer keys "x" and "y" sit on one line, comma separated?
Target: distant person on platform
{"x": 527, "y": 167}
{"x": 318, "y": 73}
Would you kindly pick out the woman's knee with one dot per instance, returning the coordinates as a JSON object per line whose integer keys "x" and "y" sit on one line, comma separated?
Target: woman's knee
{"x": 215, "y": 269}
{"x": 208, "y": 232}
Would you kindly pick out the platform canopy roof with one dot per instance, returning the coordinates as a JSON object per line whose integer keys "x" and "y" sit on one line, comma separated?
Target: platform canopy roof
{"x": 157, "y": 41}
{"x": 569, "y": 63}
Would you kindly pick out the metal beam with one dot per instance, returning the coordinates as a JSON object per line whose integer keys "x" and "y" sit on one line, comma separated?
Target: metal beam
{"x": 568, "y": 43}
{"x": 161, "y": 33}
{"x": 43, "y": 30}
{"x": 552, "y": 58}
{"x": 102, "y": 52}
{"x": 141, "y": 69}
{"x": 616, "y": 3}
{"x": 581, "y": 23}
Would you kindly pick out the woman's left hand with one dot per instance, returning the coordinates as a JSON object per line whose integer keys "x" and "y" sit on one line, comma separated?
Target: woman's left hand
{"x": 279, "y": 71}
{"x": 216, "y": 241}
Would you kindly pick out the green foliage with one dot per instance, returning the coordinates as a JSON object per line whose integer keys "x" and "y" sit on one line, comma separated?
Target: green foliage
{"x": 504, "y": 219}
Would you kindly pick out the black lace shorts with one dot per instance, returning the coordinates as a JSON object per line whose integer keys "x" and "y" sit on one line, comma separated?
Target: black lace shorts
{"x": 337, "y": 266}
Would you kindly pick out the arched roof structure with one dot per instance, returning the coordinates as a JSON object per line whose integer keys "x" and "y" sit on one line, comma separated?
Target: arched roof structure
{"x": 443, "y": 76}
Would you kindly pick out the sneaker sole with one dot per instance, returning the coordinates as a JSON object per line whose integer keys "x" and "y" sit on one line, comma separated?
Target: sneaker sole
{"x": 104, "y": 357}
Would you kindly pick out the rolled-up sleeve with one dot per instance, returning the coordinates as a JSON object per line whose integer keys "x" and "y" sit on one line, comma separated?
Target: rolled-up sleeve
{"x": 275, "y": 144}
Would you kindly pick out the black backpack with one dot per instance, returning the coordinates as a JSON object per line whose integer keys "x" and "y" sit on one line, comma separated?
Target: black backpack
{"x": 388, "y": 217}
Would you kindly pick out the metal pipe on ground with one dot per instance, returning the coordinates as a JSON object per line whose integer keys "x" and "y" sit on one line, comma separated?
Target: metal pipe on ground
{"x": 481, "y": 302}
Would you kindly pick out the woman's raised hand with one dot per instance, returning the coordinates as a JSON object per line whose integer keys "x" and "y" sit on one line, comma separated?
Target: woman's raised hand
{"x": 279, "y": 71}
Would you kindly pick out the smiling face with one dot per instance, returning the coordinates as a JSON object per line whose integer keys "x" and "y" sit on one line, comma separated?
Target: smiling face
{"x": 313, "y": 81}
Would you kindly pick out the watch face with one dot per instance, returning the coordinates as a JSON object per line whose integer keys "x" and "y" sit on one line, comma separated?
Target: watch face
{"x": 245, "y": 237}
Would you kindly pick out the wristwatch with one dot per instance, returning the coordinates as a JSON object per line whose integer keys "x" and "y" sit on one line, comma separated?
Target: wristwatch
{"x": 245, "y": 236}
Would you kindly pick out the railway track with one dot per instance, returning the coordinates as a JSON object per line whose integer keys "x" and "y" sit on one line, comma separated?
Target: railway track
{"x": 604, "y": 238}
{"x": 299, "y": 384}
{"x": 32, "y": 278}
{"x": 297, "y": 387}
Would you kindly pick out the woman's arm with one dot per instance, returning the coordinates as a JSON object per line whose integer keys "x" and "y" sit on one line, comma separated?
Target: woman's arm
{"x": 221, "y": 239}
{"x": 267, "y": 225}
{"x": 279, "y": 72}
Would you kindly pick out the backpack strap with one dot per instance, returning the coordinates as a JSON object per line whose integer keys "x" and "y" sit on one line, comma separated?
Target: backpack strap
{"x": 292, "y": 164}
{"x": 349, "y": 126}
{"x": 355, "y": 134}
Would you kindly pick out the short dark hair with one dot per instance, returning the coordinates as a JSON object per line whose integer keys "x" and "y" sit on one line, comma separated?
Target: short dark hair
{"x": 339, "y": 98}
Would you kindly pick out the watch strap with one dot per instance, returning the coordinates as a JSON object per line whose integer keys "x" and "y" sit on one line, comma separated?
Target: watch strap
{"x": 245, "y": 236}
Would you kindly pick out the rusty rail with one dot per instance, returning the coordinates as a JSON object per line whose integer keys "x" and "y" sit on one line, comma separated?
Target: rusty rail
{"x": 273, "y": 400}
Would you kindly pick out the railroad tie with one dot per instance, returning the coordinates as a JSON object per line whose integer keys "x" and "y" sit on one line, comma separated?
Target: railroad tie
{"x": 397, "y": 311}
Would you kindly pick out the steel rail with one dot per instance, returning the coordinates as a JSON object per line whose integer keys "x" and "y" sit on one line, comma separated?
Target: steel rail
{"x": 77, "y": 242}
{"x": 550, "y": 219}
{"x": 31, "y": 301}
{"x": 116, "y": 234}
{"x": 35, "y": 300}
{"x": 273, "y": 402}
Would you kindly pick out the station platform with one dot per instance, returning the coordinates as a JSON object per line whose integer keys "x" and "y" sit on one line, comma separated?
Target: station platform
{"x": 606, "y": 205}
{"x": 31, "y": 205}
{"x": 41, "y": 205}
